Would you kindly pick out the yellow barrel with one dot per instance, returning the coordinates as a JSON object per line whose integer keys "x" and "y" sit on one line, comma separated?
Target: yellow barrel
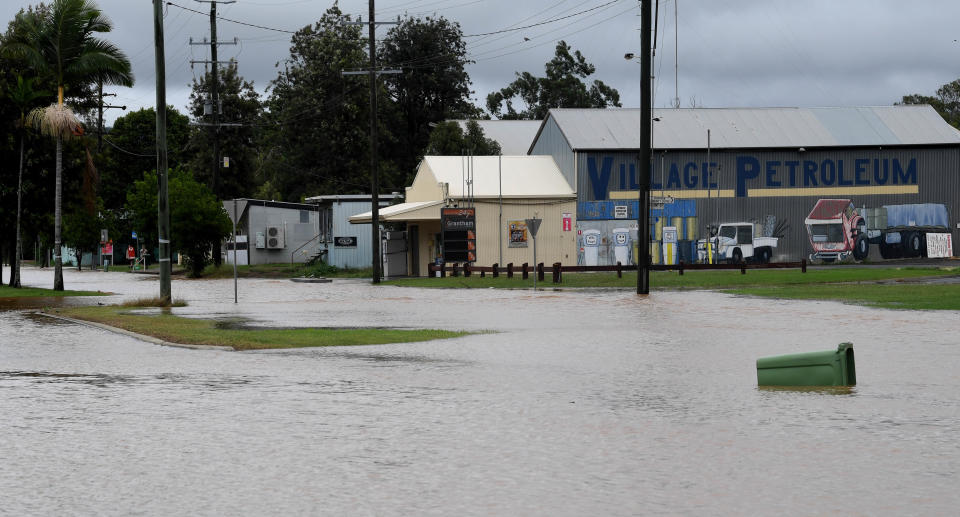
{"x": 677, "y": 222}
{"x": 655, "y": 255}
{"x": 693, "y": 231}
{"x": 658, "y": 228}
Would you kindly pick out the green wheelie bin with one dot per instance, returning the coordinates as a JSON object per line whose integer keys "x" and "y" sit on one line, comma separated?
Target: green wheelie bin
{"x": 827, "y": 368}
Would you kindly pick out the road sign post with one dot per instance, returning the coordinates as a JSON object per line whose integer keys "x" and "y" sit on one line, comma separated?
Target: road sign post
{"x": 533, "y": 225}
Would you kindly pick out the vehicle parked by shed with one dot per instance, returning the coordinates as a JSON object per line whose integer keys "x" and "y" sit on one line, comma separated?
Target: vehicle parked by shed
{"x": 738, "y": 242}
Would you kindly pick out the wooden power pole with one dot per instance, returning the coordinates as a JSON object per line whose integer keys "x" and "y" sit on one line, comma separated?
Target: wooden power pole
{"x": 163, "y": 197}
{"x": 646, "y": 117}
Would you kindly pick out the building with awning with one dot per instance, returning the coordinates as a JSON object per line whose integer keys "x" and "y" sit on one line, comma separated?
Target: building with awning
{"x": 504, "y": 190}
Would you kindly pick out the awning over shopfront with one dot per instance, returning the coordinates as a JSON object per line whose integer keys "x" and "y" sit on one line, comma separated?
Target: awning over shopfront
{"x": 416, "y": 211}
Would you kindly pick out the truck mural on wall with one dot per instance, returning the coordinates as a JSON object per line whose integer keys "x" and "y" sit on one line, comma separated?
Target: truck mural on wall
{"x": 738, "y": 242}
{"x": 837, "y": 229}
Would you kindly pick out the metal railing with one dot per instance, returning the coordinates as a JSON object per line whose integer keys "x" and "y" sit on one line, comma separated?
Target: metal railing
{"x": 304, "y": 245}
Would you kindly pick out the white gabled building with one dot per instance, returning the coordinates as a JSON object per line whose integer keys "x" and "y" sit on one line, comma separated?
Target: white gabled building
{"x": 505, "y": 191}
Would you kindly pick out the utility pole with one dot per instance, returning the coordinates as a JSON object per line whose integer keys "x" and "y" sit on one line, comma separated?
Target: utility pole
{"x": 374, "y": 162}
{"x": 215, "y": 89}
{"x": 374, "y": 159}
{"x": 163, "y": 197}
{"x": 646, "y": 126}
{"x": 100, "y": 107}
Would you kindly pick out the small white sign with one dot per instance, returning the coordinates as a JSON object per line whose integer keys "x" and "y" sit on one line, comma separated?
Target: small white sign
{"x": 939, "y": 245}
{"x": 620, "y": 212}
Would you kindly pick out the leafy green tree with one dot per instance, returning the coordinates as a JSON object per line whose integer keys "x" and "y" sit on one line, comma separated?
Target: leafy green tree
{"x": 433, "y": 86}
{"x": 946, "y": 102}
{"x": 563, "y": 87}
{"x": 197, "y": 219}
{"x": 318, "y": 119}
{"x": 82, "y": 226}
{"x": 24, "y": 97}
{"x": 131, "y": 147}
{"x": 241, "y": 105}
{"x": 63, "y": 43}
{"x": 81, "y": 231}
{"x": 449, "y": 139}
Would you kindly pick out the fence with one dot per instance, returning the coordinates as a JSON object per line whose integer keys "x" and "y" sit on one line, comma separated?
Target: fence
{"x": 557, "y": 269}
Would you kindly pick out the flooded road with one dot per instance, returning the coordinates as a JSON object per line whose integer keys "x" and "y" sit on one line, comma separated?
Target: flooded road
{"x": 580, "y": 403}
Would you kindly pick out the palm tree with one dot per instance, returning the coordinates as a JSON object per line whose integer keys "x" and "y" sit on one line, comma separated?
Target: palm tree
{"x": 62, "y": 42}
{"x": 23, "y": 96}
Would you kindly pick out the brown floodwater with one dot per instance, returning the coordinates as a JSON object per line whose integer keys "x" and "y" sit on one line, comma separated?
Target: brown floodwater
{"x": 581, "y": 403}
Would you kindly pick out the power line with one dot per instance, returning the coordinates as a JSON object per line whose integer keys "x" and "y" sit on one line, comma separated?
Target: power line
{"x": 541, "y": 23}
{"x": 238, "y": 22}
{"x": 131, "y": 153}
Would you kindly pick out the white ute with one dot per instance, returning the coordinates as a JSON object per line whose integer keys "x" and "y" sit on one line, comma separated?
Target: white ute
{"x": 738, "y": 242}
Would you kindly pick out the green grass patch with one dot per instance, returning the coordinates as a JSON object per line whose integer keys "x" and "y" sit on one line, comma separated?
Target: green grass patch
{"x": 156, "y": 301}
{"x": 671, "y": 280}
{"x": 900, "y": 296}
{"x": 176, "y": 329}
{"x": 37, "y": 292}
{"x": 285, "y": 271}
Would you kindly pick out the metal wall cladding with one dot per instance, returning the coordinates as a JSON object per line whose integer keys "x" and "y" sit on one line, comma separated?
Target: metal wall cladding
{"x": 923, "y": 175}
{"x": 552, "y": 142}
{"x": 355, "y": 257}
{"x": 553, "y": 243}
{"x": 258, "y": 218}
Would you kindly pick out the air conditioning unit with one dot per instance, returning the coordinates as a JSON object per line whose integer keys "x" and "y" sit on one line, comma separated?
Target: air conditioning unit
{"x": 274, "y": 238}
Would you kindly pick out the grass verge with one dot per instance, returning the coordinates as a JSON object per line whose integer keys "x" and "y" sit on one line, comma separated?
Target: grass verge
{"x": 37, "y": 292}
{"x": 720, "y": 279}
{"x": 859, "y": 286}
{"x": 900, "y": 296}
{"x": 177, "y": 329}
{"x": 284, "y": 271}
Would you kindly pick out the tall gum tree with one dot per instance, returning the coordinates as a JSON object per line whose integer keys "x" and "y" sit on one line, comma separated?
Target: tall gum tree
{"x": 561, "y": 87}
{"x": 433, "y": 85}
{"x": 317, "y": 138}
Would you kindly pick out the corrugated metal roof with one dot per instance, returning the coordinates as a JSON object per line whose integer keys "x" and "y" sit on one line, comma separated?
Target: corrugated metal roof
{"x": 514, "y": 136}
{"x": 352, "y": 197}
{"x": 746, "y": 128}
{"x": 402, "y": 212}
{"x": 521, "y": 177}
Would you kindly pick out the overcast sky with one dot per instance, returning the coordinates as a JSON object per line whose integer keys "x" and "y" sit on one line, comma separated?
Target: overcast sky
{"x": 732, "y": 53}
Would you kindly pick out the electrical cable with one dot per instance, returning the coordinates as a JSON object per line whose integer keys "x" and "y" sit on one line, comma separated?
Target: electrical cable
{"x": 543, "y": 22}
{"x": 117, "y": 147}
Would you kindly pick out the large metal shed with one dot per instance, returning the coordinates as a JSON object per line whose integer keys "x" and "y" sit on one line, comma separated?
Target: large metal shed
{"x": 764, "y": 165}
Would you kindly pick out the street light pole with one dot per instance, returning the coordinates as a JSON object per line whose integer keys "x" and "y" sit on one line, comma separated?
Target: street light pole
{"x": 646, "y": 126}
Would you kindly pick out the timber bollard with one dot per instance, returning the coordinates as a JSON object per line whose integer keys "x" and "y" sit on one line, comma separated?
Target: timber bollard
{"x": 455, "y": 270}
{"x": 681, "y": 268}
{"x": 510, "y": 270}
{"x": 524, "y": 272}
{"x": 619, "y": 270}
{"x": 743, "y": 268}
{"x": 556, "y": 273}
{"x": 540, "y": 271}
{"x": 466, "y": 269}
{"x": 803, "y": 266}
{"x": 496, "y": 270}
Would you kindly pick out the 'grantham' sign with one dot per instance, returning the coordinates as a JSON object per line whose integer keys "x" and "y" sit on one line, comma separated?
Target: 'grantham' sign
{"x": 459, "y": 227}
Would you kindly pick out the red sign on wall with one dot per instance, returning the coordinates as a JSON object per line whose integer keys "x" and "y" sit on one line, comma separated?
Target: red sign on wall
{"x": 567, "y": 221}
